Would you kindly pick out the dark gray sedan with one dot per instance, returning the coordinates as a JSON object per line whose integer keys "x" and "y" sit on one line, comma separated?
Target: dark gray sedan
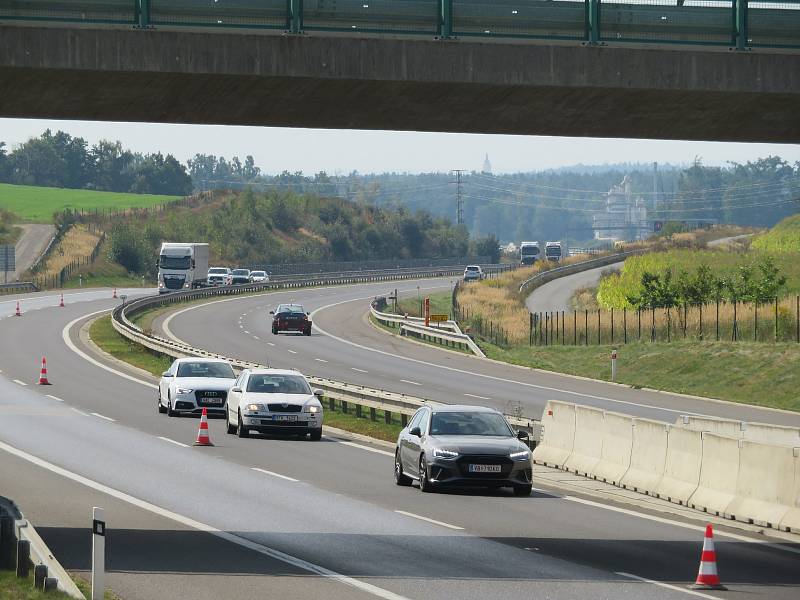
{"x": 462, "y": 446}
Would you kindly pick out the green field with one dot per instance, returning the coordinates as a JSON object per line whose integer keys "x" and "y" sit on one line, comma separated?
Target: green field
{"x": 38, "y": 204}
{"x": 784, "y": 237}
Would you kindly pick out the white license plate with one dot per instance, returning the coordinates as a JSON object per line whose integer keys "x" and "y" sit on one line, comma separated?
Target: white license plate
{"x": 284, "y": 418}
{"x": 485, "y": 468}
{"x": 212, "y": 400}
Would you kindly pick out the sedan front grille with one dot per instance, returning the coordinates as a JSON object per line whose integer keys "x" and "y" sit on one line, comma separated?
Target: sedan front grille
{"x": 285, "y": 408}
{"x": 466, "y": 460}
{"x": 210, "y": 397}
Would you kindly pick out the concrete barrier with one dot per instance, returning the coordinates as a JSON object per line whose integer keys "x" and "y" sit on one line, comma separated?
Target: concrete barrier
{"x": 764, "y": 490}
{"x": 615, "y": 455}
{"x": 682, "y": 466}
{"x": 719, "y": 472}
{"x": 648, "y": 456}
{"x": 558, "y": 434}
{"x": 726, "y": 427}
{"x": 588, "y": 441}
{"x": 772, "y": 434}
{"x": 791, "y": 521}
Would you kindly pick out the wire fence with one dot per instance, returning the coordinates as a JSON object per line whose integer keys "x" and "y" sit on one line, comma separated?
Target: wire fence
{"x": 777, "y": 321}
{"x": 57, "y": 280}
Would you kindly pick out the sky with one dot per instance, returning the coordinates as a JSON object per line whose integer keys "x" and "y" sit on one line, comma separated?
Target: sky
{"x": 343, "y": 151}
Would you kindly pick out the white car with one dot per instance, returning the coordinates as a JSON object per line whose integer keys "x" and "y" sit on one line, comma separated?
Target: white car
{"x": 219, "y": 276}
{"x": 473, "y": 273}
{"x": 274, "y": 401}
{"x": 192, "y": 384}
{"x": 259, "y": 276}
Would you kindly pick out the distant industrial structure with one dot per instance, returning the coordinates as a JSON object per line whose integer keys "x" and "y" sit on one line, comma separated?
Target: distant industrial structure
{"x": 487, "y": 166}
{"x": 624, "y": 217}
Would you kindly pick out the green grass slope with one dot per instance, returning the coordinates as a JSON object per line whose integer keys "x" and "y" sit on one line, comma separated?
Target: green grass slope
{"x": 784, "y": 237}
{"x": 37, "y": 204}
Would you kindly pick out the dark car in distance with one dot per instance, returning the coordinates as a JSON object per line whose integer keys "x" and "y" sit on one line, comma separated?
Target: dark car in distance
{"x": 290, "y": 317}
{"x": 462, "y": 446}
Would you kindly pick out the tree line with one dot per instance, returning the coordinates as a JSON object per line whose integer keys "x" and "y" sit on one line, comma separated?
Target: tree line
{"x": 60, "y": 160}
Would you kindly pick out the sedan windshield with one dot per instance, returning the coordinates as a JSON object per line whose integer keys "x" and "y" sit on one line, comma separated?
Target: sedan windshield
{"x": 469, "y": 423}
{"x": 258, "y": 274}
{"x": 217, "y": 271}
{"x": 241, "y": 272}
{"x": 278, "y": 384}
{"x": 206, "y": 369}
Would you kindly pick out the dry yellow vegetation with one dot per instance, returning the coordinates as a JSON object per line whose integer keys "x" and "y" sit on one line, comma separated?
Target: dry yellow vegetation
{"x": 76, "y": 245}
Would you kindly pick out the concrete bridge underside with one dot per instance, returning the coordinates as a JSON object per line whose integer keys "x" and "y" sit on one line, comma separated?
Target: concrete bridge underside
{"x": 398, "y": 84}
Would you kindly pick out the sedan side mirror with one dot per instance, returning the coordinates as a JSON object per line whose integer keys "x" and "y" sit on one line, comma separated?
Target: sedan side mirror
{"x": 308, "y": 313}
{"x": 272, "y": 312}
{"x": 236, "y": 389}
{"x": 416, "y": 432}
{"x": 522, "y": 435}
{"x": 319, "y": 393}
{"x": 166, "y": 374}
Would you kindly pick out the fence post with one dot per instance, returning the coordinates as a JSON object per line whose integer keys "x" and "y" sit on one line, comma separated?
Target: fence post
{"x": 717, "y": 319}
{"x": 563, "y": 328}
{"x": 612, "y": 325}
{"x": 755, "y": 321}
{"x": 598, "y": 326}
{"x": 653, "y": 326}
{"x": 669, "y": 325}
{"x": 776, "y": 318}
{"x": 701, "y": 321}
{"x": 733, "y": 333}
{"x": 586, "y": 326}
{"x": 594, "y": 21}
{"x": 546, "y": 327}
{"x": 740, "y": 27}
{"x": 574, "y": 327}
{"x": 685, "y": 316}
{"x": 530, "y": 329}
{"x": 556, "y": 337}
{"x": 797, "y": 318}
{"x": 624, "y": 325}
{"x": 446, "y": 19}
{"x": 639, "y": 327}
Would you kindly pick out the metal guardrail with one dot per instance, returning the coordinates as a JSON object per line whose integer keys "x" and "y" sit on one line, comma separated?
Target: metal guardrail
{"x": 449, "y": 333}
{"x": 18, "y": 286}
{"x": 360, "y": 396}
{"x": 25, "y": 548}
{"x": 545, "y": 276}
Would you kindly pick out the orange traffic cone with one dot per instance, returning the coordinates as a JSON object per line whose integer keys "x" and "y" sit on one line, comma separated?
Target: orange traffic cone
{"x": 61, "y": 302}
{"x": 43, "y": 373}
{"x": 18, "y": 313}
{"x": 202, "y": 434}
{"x": 115, "y": 294}
{"x": 707, "y": 577}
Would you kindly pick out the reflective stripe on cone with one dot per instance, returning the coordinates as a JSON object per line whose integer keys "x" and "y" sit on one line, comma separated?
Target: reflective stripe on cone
{"x": 707, "y": 577}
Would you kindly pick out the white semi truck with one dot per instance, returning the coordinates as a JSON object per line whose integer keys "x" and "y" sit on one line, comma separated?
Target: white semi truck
{"x": 182, "y": 266}
{"x": 528, "y": 252}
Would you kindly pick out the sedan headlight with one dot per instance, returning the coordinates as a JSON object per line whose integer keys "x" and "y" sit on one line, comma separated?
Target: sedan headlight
{"x": 444, "y": 453}
{"x": 521, "y": 455}
{"x": 181, "y": 390}
{"x": 312, "y": 408}
{"x": 253, "y": 407}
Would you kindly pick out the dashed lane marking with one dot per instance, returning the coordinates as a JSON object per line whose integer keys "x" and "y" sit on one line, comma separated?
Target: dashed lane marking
{"x": 270, "y": 344}
{"x": 19, "y": 382}
{"x": 367, "y": 448}
{"x": 434, "y": 521}
{"x": 247, "y": 332}
{"x": 359, "y": 370}
{"x": 255, "y": 337}
{"x": 320, "y": 360}
{"x": 411, "y": 382}
{"x": 478, "y": 397}
{"x": 166, "y": 439}
{"x": 292, "y": 351}
{"x": 103, "y": 417}
{"x": 54, "y": 397}
{"x": 274, "y": 474}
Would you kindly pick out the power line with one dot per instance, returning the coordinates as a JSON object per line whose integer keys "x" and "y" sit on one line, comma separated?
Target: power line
{"x": 459, "y": 197}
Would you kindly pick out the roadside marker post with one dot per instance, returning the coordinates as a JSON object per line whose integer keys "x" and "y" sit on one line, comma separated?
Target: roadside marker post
{"x": 18, "y": 312}
{"x": 614, "y": 364}
{"x": 98, "y": 553}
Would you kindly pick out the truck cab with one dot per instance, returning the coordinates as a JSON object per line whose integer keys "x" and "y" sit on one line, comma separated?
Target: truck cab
{"x": 528, "y": 253}
{"x": 553, "y": 251}
{"x": 182, "y": 266}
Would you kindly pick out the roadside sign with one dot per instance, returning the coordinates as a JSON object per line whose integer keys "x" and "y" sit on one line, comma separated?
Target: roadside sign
{"x": 8, "y": 258}
{"x": 439, "y": 318}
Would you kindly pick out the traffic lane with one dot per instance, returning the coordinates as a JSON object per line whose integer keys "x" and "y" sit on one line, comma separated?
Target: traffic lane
{"x": 462, "y": 373}
{"x": 303, "y": 521}
{"x": 556, "y": 295}
{"x": 147, "y": 555}
{"x": 49, "y": 299}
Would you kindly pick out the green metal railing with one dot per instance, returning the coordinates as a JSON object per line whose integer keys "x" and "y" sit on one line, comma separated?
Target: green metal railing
{"x": 740, "y": 24}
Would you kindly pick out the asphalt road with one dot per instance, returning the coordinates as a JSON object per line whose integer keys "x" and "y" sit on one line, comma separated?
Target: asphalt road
{"x": 556, "y": 295}
{"x": 31, "y": 244}
{"x": 203, "y": 523}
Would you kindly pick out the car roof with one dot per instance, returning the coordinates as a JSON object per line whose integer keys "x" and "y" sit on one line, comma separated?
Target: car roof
{"x": 267, "y": 371}
{"x": 203, "y": 360}
{"x": 258, "y": 271}
{"x": 473, "y": 266}
{"x": 290, "y": 306}
{"x": 463, "y": 408}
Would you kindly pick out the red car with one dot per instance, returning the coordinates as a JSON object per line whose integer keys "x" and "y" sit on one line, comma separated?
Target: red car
{"x": 290, "y": 317}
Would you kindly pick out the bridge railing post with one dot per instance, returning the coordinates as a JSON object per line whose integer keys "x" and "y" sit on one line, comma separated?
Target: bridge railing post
{"x": 740, "y": 24}
{"x": 446, "y": 19}
{"x": 295, "y": 16}
{"x": 594, "y": 21}
{"x": 143, "y": 13}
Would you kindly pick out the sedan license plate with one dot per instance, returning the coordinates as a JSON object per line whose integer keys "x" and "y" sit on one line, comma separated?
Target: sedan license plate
{"x": 211, "y": 401}
{"x": 485, "y": 468}
{"x": 284, "y": 418}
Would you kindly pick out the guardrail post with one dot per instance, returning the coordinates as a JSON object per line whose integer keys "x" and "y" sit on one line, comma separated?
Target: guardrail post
{"x": 98, "y": 553}
{"x": 39, "y": 575}
{"x": 295, "y": 16}
{"x": 740, "y": 24}
{"x": 358, "y": 411}
{"x": 373, "y": 415}
{"x": 446, "y": 20}
{"x": 387, "y": 417}
{"x": 344, "y": 406}
{"x": 23, "y": 558}
{"x": 7, "y": 542}
{"x": 593, "y": 21}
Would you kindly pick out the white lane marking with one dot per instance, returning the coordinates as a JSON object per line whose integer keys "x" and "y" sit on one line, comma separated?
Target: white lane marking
{"x": 274, "y": 474}
{"x": 66, "y": 296}
{"x": 666, "y": 585}
{"x": 478, "y": 397}
{"x": 434, "y": 521}
{"x": 82, "y": 354}
{"x": 80, "y": 412}
{"x": 368, "y": 449}
{"x": 19, "y": 382}
{"x": 54, "y": 397}
{"x": 189, "y": 522}
{"x": 270, "y": 344}
{"x": 104, "y": 417}
{"x": 359, "y": 370}
{"x": 320, "y": 360}
{"x": 484, "y": 375}
{"x": 241, "y": 326}
{"x": 247, "y": 332}
{"x": 292, "y": 351}
{"x": 255, "y": 337}
{"x": 411, "y": 382}
{"x": 717, "y": 533}
{"x": 166, "y": 439}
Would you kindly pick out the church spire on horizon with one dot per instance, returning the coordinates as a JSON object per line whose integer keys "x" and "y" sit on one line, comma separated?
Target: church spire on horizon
{"x": 487, "y": 166}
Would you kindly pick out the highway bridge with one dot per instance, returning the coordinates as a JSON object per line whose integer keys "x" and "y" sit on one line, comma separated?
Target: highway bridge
{"x": 325, "y": 520}
{"x": 661, "y": 69}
